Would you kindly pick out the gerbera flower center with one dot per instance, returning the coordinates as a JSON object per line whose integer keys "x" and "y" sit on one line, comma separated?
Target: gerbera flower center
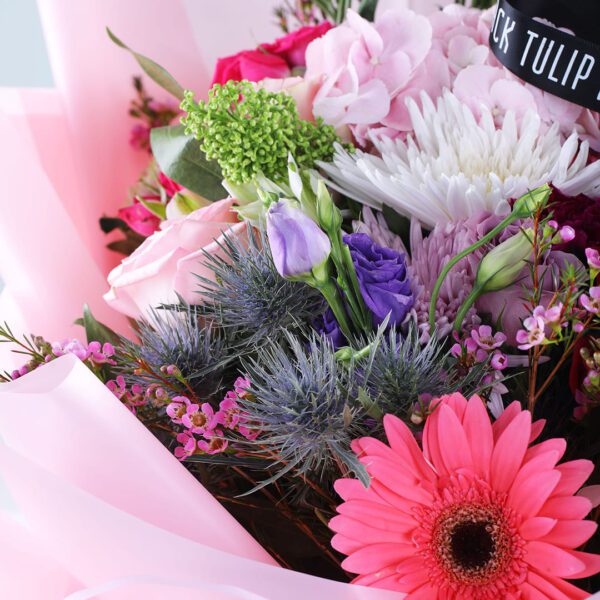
{"x": 473, "y": 542}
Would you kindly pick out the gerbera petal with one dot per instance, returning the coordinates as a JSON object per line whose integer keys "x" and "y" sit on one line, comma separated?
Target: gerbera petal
{"x": 431, "y": 445}
{"x": 536, "y": 527}
{"x": 552, "y": 560}
{"x": 573, "y": 475}
{"x": 508, "y": 414}
{"x": 531, "y": 493}
{"x": 557, "y": 444}
{"x": 377, "y": 556}
{"x": 591, "y": 562}
{"x": 350, "y": 489}
{"x": 403, "y": 442}
{"x": 478, "y": 430}
{"x": 536, "y": 429}
{"x": 402, "y": 484}
{"x": 384, "y": 515}
{"x": 531, "y": 593}
{"x": 426, "y": 592}
{"x": 453, "y": 439}
{"x": 554, "y": 588}
{"x": 345, "y": 545}
{"x": 371, "y": 579}
{"x": 566, "y": 507}
{"x": 366, "y": 533}
{"x": 509, "y": 451}
{"x": 570, "y": 534}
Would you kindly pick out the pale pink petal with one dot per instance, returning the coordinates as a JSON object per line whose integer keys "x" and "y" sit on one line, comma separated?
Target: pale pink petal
{"x": 406, "y": 31}
{"x": 371, "y": 105}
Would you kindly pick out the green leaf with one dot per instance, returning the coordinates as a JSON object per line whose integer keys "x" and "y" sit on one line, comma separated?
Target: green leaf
{"x": 157, "y": 73}
{"x": 179, "y": 156}
{"x": 367, "y": 8}
{"x": 158, "y": 209}
{"x": 96, "y": 331}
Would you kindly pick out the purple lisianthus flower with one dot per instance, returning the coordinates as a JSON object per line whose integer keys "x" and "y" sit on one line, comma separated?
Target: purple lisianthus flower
{"x": 297, "y": 242}
{"x": 382, "y": 277}
{"x": 329, "y": 328}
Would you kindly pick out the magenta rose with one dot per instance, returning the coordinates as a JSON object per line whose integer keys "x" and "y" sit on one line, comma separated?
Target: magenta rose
{"x": 139, "y": 218}
{"x": 292, "y": 47}
{"x": 253, "y": 65}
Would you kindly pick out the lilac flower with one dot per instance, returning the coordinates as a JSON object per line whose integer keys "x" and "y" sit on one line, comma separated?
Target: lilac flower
{"x": 591, "y": 303}
{"x": 532, "y": 335}
{"x": 297, "y": 243}
{"x": 383, "y": 279}
{"x": 593, "y": 258}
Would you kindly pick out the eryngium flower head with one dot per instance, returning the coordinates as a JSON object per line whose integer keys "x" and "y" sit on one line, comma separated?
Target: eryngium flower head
{"x": 178, "y": 338}
{"x": 248, "y": 297}
{"x": 301, "y": 401}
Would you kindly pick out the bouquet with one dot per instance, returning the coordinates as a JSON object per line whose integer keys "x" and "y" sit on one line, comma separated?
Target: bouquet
{"x": 362, "y": 275}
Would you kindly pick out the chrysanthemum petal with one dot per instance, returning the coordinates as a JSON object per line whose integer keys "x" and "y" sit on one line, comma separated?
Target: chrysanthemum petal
{"x": 570, "y": 534}
{"x": 377, "y": 556}
{"x": 552, "y": 560}
{"x": 509, "y": 451}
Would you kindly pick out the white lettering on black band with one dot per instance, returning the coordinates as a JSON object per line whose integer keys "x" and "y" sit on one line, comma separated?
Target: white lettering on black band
{"x": 555, "y": 61}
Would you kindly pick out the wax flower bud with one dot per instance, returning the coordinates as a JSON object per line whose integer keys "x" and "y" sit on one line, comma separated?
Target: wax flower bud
{"x": 501, "y": 266}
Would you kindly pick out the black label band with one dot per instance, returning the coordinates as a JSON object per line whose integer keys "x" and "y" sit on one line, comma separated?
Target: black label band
{"x": 557, "y": 62}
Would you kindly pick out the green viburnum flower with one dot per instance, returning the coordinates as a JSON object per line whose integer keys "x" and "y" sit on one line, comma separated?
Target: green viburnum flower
{"x": 251, "y": 131}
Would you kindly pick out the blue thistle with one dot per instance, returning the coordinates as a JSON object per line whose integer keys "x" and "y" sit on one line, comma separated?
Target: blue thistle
{"x": 179, "y": 338}
{"x": 302, "y": 400}
{"x": 248, "y": 297}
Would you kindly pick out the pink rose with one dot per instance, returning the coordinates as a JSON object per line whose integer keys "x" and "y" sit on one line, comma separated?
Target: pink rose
{"x": 303, "y": 92}
{"x": 292, "y": 47}
{"x": 167, "y": 262}
{"x": 253, "y": 65}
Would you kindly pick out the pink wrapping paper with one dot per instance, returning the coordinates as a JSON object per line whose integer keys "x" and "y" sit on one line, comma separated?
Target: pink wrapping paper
{"x": 101, "y": 510}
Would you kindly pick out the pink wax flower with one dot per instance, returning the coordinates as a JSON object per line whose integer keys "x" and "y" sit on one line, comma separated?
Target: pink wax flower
{"x": 200, "y": 419}
{"x": 188, "y": 446}
{"x": 499, "y": 361}
{"x": 241, "y": 386}
{"x": 486, "y": 339}
{"x": 533, "y": 334}
{"x": 215, "y": 445}
{"x": 179, "y": 407}
{"x": 593, "y": 258}
{"x": 476, "y": 514}
{"x": 591, "y": 303}
{"x": 550, "y": 316}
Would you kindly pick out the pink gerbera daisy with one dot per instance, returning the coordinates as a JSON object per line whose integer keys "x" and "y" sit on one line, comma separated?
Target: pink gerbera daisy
{"x": 478, "y": 514}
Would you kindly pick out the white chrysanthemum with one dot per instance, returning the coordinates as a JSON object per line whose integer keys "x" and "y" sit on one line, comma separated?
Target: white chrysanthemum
{"x": 455, "y": 167}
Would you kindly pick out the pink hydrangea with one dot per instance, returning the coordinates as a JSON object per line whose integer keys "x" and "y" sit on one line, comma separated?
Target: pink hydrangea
{"x": 366, "y": 68}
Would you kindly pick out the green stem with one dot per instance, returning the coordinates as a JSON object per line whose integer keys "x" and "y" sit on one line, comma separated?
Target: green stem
{"x": 440, "y": 280}
{"x": 331, "y": 295}
{"x": 465, "y": 306}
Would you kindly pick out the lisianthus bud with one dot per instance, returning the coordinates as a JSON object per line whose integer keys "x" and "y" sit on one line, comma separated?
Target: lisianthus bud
{"x": 501, "y": 266}
{"x": 527, "y": 204}
{"x": 329, "y": 215}
{"x": 297, "y": 243}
